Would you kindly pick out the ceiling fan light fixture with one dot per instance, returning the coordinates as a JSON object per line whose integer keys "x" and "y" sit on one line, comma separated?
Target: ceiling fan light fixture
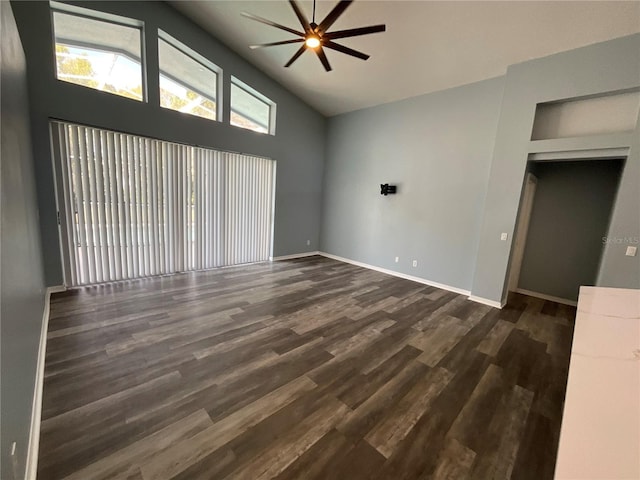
{"x": 315, "y": 36}
{"x": 312, "y": 41}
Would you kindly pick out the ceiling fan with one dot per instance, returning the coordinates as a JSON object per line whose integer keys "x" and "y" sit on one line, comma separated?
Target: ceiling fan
{"x": 316, "y": 36}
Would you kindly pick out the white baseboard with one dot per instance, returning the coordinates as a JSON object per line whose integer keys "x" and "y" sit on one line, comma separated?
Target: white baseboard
{"x": 397, "y": 274}
{"x": 36, "y": 406}
{"x": 57, "y": 289}
{"x": 486, "y": 301}
{"x": 295, "y": 255}
{"x": 542, "y": 296}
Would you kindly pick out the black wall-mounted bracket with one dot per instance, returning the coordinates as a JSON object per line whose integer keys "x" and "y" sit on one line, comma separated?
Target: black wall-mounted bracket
{"x": 386, "y": 189}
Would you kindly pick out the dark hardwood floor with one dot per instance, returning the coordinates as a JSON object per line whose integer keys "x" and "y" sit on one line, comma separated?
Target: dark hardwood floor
{"x": 301, "y": 369}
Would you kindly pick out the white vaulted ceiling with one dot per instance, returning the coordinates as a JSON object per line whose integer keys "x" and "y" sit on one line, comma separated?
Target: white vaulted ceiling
{"x": 428, "y": 46}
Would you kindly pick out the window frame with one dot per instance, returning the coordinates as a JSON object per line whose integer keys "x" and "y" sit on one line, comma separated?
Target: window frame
{"x": 97, "y": 15}
{"x": 198, "y": 58}
{"x": 271, "y": 129}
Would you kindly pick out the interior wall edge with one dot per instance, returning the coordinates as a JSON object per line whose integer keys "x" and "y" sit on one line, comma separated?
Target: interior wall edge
{"x": 36, "y": 406}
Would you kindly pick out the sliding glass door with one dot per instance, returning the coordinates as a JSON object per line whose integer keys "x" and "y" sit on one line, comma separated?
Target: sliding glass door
{"x": 134, "y": 207}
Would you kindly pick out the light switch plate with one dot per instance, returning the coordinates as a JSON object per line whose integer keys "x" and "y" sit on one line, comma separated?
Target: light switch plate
{"x": 504, "y": 236}
{"x": 631, "y": 251}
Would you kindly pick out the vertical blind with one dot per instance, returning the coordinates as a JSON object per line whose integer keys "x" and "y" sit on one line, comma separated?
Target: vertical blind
{"x": 134, "y": 207}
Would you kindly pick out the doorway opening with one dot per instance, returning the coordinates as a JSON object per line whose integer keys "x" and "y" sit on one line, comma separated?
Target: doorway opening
{"x": 563, "y": 219}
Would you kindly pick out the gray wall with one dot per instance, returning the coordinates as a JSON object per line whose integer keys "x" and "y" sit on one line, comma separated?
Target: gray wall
{"x": 22, "y": 280}
{"x": 437, "y": 148}
{"x": 298, "y": 145}
{"x": 607, "y": 67}
{"x": 570, "y": 216}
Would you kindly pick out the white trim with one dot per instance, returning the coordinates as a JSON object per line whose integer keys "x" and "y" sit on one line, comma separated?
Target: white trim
{"x": 36, "y": 407}
{"x": 542, "y": 296}
{"x": 593, "y": 153}
{"x": 486, "y": 301}
{"x": 95, "y": 14}
{"x": 295, "y": 255}
{"x": 397, "y": 274}
{"x": 57, "y": 289}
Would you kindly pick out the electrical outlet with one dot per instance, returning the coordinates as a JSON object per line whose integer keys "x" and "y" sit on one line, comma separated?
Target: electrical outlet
{"x": 631, "y": 251}
{"x": 308, "y": 242}
{"x": 504, "y": 236}
{"x": 414, "y": 263}
{"x": 397, "y": 259}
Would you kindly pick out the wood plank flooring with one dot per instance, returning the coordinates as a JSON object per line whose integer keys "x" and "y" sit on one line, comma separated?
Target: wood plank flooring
{"x": 300, "y": 369}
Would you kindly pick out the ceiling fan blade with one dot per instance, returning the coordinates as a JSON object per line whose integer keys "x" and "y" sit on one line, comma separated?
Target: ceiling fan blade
{"x": 273, "y": 24}
{"x": 296, "y": 55}
{"x": 323, "y": 58}
{"x": 333, "y": 15}
{"x": 303, "y": 20}
{"x": 343, "y": 49}
{"x": 273, "y": 44}
{"x": 354, "y": 32}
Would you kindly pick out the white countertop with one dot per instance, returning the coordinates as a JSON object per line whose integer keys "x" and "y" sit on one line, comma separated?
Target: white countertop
{"x": 600, "y": 434}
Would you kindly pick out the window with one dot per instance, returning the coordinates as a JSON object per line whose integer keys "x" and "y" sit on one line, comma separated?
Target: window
{"x": 188, "y": 81}
{"x": 101, "y": 53}
{"x": 250, "y": 109}
{"x": 136, "y": 207}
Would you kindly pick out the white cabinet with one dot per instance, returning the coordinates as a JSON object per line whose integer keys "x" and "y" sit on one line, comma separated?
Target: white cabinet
{"x": 600, "y": 434}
